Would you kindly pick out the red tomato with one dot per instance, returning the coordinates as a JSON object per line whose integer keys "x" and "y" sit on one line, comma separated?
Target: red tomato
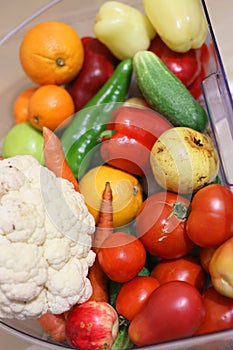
{"x": 134, "y": 294}
{"x": 122, "y": 256}
{"x": 182, "y": 269}
{"x": 160, "y": 225}
{"x": 205, "y": 257}
{"x": 219, "y": 312}
{"x": 173, "y": 310}
{"x": 210, "y": 221}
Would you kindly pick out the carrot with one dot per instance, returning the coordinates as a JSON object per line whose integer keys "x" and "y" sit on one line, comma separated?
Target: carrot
{"x": 55, "y": 158}
{"x": 54, "y": 325}
{"x": 104, "y": 228}
{"x": 55, "y": 161}
{"x": 99, "y": 282}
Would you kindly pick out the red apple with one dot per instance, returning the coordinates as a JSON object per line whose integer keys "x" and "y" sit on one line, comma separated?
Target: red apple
{"x": 92, "y": 325}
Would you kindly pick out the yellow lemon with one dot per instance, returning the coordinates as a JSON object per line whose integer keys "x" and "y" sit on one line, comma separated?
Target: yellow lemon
{"x": 127, "y": 193}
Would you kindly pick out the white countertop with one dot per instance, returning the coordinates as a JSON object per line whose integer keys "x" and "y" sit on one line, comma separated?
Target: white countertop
{"x": 14, "y": 12}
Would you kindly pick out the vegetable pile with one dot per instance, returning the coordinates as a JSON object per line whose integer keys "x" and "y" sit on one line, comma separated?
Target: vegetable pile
{"x": 117, "y": 228}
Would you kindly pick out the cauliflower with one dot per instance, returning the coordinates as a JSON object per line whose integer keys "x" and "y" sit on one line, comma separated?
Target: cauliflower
{"x": 45, "y": 241}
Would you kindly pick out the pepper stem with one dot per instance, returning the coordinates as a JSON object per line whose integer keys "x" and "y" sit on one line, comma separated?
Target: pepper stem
{"x": 106, "y": 133}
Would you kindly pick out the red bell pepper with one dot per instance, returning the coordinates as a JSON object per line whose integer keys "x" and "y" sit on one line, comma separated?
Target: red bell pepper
{"x": 186, "y": 66}
{"x": 99, "y": 64}
{"x": 195, "y": 88}
{"x": 190, "y": 67}
{"x": 130, "y": 136}
{"x": 204, "y": 57}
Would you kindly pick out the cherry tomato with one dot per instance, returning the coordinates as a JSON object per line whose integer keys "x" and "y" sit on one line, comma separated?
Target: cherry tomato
{"x": 210, "y": 221}
{"x": 160, "y": 225}
{"x": 134, "y": 294}
{"x": 205, "y": 257}
{"x": 122, "y": 256}
{"x": 219, "y": 312}
{"x": 182, "y": 269}
{"x": 173, "y": 310}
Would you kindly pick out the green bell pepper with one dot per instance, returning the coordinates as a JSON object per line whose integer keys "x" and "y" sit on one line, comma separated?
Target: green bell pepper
{"x": 81, "y": 136}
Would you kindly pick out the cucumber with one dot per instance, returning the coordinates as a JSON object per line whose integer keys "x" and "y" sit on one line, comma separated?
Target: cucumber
{"x": 166, "y": 94}
{"x": 122, "y": 341}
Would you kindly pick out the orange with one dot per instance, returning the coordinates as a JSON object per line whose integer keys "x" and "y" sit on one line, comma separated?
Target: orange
{"x": 51, "y": 106}
{"x": 126, "y": 191}
{"x": 51, "y": 52}
{"x": 21, "y": 103}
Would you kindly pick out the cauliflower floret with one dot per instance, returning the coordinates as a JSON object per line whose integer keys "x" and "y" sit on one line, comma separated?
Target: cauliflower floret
{"x": 45, "y": 241}
{"x": 72, "y": 274}
{"x": 21, "y": 309}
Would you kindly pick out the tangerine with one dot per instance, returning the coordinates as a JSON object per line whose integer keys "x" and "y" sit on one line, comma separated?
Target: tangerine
{"x": 20, "y": 108}
{"x": 51, "y": 106}
{"x": 127, "y": 193}
{"x": 51, "y": 52}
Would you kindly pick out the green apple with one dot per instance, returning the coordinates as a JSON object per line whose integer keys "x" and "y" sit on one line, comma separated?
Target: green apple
{"x": 23, "y": 139}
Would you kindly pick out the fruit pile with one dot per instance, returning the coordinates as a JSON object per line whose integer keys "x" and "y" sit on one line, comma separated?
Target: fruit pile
{"x": 134, "y": 139}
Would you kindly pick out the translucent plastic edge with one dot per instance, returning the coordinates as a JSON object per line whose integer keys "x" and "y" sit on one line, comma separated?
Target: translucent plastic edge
{"x": 178, "y": 344}
{"x": 31, "y": 339}
{"x": 11, "y": 33}
{"x": 222, "y": 129}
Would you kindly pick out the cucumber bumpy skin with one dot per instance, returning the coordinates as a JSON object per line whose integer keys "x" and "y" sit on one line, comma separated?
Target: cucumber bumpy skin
{"x": 166, "y": 94}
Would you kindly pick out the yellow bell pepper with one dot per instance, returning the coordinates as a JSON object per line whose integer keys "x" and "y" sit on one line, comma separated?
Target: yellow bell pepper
{"x": 123, "y": 29}
{"x": 181, "y": 24}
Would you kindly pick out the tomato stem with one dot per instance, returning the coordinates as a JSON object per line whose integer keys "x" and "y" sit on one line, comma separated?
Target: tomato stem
{"x": 180, "y": 210}
{"x": 123, "y": 321}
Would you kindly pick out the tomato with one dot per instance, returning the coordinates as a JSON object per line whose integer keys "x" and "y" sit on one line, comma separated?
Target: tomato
{"x": 205, "y": 257}
{"x": 219, "y": 312}
{"x": 122, "y": 256}
{"x": 160, "y": 225}
{"x": 134, "y": 294}
{"x": 182, "y": 269}
{"x": 173, "y": 310}
{"x": 210, "y": 221}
